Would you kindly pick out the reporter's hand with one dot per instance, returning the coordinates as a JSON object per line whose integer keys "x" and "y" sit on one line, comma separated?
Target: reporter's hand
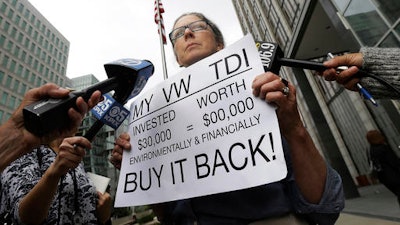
{"x": 122, "y": 142}
{"x": 51, "y": 91}
{"x": 70, "y": 153}
{"x": 345, "y": 77}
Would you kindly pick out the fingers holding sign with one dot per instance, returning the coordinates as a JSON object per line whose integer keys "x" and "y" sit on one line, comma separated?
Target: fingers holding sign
{"x": 278, "y": 91}
{"x": 122, "y": 142}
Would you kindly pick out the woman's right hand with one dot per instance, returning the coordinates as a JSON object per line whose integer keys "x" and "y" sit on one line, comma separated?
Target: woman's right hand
{"x": 70, "y": 154}
{"x": 122, "y": 142}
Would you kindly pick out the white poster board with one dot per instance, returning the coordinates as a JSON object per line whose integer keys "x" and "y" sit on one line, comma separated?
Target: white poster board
{"x": 202, "y": 132}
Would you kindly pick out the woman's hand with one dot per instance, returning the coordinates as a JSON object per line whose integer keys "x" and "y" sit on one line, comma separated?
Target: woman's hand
{"x": 103, "y": 208}
{"x": 271, "y": 88}
{"x": 122, "y": 142}
{"x": 70, "y": 154}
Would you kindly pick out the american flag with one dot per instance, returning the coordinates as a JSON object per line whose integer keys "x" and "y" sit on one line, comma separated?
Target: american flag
{"x": 158, "y": 10}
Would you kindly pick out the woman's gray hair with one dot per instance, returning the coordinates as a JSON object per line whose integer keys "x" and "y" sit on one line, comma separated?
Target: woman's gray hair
{"x": 217, "y": 32}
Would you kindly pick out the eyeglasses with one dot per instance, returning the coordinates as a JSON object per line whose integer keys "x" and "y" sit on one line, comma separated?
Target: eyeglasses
{"x": 193, "y": 26}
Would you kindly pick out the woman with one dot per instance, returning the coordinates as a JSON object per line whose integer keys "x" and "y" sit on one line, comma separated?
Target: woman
{"x": 385, "y": 162}
{"x": 312, "y": 189}
{"x": 49, "y": 186}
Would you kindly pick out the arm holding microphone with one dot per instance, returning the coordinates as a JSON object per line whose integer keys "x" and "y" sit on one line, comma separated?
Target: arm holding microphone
{"x": 17, "y": 140}
{"x": 383, "y": 63}
{"x": 127, "y": 77}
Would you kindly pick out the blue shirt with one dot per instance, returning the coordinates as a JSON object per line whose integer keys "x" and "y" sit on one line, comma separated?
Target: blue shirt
{"x": 257, "y": 203}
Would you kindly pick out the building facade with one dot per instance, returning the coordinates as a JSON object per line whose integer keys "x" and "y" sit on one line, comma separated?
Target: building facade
{"x": 336, "y": 118}
{"x": 32, "y": 53}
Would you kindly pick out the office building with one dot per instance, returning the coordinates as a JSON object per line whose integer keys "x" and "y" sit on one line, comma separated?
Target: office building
{"x": 336, "y": 118}
{"x": 32, "y": 52}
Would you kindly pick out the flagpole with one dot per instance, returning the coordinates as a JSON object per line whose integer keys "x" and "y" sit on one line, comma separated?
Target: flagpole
{"x": 161, "y": 41}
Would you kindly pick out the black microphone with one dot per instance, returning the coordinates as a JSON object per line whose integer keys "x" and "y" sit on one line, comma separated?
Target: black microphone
{"x": 272, "y": 59}
{"x": 127, "y": 78}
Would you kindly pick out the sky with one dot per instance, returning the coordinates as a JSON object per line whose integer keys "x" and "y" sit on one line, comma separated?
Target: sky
{"x": 102, "y": 31}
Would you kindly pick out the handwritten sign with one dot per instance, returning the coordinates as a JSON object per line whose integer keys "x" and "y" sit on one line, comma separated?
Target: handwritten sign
{"x": 202, "y": 132}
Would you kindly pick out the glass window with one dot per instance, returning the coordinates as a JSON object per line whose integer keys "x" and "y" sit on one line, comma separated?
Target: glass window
{"x": 32, "y": 78}
{"x": 39, "y": 81}
{"x": 23, "y": 56}
{"x": 4, "y": 98}
{"x": 23, "y": 88}
{"x": 11, "y": 103}
{"x": 1, "y": 76}
{"x": 23, "y": 25}
{"x": 397, "y": 29}
{"x": 17, "y": 19}
{"x": 2, "y": 39}
{"x": 16, "y": 85}
{"x": 20, "y": 7}
{"x": 26, "y": 73}
{"x": 390, "y": 8}
{"x": 33, "y": 48}
{"x": 390, "y": 41}
{"x": 35, "y": 35}
{"x": 341, "y": 4}
{"x": 10, "y": 14}
{"x": 41, "y": 40}
{"x": 9, "y": 81}
{"x": 27, "y": 42}
{"x": 10, "y": 45}
{"x": 20, "y": 71}
{"x": 6, "y": 26}
{"x": 3, "y": 7}
{"x": 41, "y": 67}
{"x": 30, "y": 59}
{"x": 36, "y": 64}
{"x": 5, "y": 61}
{"x": 13, "y": 64}
{"x": 365, "y": 21}
{"x": 17, "y": 49}
{"x": 30, "y": 28}
{"x": 20, "y": 37}
{"x": 13, "y": 32}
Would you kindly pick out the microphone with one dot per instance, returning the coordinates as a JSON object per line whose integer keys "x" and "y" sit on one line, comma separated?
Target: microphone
{"x": 272, "y": 59}
{"x": 110, "y": 112}
{"x": 127, "y": 77}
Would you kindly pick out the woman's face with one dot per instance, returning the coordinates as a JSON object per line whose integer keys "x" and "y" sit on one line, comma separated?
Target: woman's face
{"x": 194, "y": 46}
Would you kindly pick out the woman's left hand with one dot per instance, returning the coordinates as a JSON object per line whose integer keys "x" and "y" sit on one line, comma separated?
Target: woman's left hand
{"x": 103, "y": 209}
{"x": 276, "y": 90}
